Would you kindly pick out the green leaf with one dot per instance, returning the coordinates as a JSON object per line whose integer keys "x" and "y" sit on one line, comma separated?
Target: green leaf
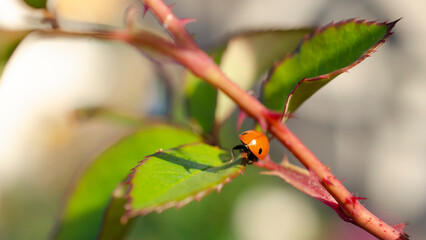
{"x": 249, "y": 55}
{"x": 87, "y": 200}
{"x": 175, "y": 177}
{"x": 323, "y": 55}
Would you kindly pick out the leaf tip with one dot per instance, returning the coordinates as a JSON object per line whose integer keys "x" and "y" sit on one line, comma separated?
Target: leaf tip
{"x": 392, "y": 24}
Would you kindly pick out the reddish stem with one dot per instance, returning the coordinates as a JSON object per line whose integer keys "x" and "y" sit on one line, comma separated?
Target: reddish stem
{"x": 204, "y": 67}
{"x": 187, "y": 53}
{"x": 208, "y": 70}
{"x": 350, "y": 205}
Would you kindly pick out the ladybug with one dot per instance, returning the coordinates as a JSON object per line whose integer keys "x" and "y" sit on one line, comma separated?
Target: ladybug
{"x": 254, "y": 143}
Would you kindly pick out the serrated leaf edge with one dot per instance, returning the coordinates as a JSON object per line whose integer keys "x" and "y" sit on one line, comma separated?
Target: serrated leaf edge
{"x": 197, "y": 196}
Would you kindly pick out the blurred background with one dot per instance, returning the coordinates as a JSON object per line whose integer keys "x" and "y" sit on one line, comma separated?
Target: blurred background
{"x": 368, "y": 125}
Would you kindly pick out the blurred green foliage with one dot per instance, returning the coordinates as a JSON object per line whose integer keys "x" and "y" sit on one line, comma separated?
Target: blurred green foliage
{"x": 9, "y": 40}
{"x": 36, "y": 3}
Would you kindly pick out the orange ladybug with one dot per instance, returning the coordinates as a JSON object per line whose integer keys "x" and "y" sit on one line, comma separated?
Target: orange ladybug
{"x": 254, "y": 143}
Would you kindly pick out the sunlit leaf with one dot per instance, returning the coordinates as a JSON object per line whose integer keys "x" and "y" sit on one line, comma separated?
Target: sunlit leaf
{"x": 326, "y": 53}
{"x": 175, "y": 177}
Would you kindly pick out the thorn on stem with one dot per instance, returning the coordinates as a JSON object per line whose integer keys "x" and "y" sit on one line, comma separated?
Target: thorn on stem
{"x": 284, "y": 162}
{"x": 185, "y": 21}
{"x": 353, "y": 199}
{"x": 145, "y": 10}
{"x": 242, "y": 115}
{"x": 400, "y": 227}
{"x": 326, "y": 181}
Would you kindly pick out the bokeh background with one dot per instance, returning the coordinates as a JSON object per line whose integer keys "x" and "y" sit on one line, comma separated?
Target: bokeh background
{"x": 368, "y": 125}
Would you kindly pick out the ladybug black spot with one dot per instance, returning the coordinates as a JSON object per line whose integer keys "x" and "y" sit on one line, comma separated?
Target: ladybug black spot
{"x": 260, "y": 150}
{"x": 244, "y": 133}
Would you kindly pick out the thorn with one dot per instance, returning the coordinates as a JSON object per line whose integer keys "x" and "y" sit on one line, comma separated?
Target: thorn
{"x": 400, "y": 227}
{"x": 242, "y": 115}
{"x": 348, "y": 200}
{"x": 353, "y": 199}
{"x": 262, "y": 123}
{"x": 185, "y": 21}
{"x": 284, "y": 162}
{"x": 145, "y": 10}
{"x": 356, "y": 198}
{"x": 326, "y": 181}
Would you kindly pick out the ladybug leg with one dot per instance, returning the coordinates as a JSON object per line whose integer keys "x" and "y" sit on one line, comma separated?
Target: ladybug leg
{"x": 251, "y": 158}
{"x": 242, "y": 148}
